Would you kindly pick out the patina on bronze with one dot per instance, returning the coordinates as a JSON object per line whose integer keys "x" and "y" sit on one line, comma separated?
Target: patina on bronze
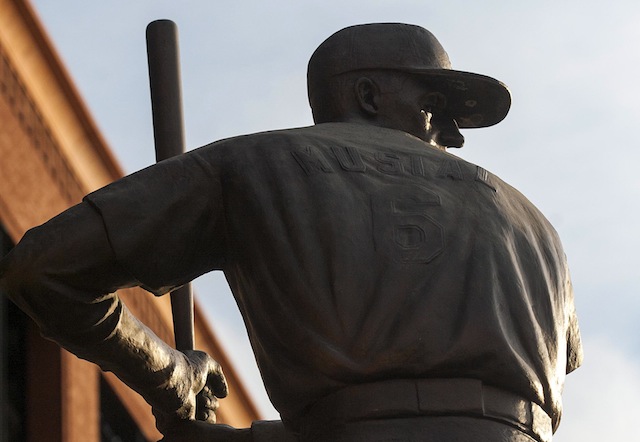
{"x": 391, "y": 291}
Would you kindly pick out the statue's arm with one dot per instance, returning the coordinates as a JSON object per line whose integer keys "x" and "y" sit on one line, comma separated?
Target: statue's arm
{"x": 63, "y": 274}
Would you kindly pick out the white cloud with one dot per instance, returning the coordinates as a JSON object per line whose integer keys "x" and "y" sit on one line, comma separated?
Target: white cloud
{"x": 601, "y": 398}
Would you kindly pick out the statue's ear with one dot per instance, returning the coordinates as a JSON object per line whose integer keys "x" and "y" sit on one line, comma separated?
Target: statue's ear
{"x": 367, "y": 93}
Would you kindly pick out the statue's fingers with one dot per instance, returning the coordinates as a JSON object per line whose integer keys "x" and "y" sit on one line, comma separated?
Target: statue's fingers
{"x": 207, "y": 399}
{"x": 206, "y": 416}
{"x": 217, "y": 381}
{"x": 206, "y": 406}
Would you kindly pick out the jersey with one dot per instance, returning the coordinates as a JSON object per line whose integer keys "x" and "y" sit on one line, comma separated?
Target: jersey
{"x": 356, "y": 254}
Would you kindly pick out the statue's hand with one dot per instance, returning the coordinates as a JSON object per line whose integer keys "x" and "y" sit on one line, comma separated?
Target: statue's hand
{"x": 198, "y": 382}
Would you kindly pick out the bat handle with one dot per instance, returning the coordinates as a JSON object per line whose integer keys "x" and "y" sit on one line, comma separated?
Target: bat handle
{"x": 182, "y": 311}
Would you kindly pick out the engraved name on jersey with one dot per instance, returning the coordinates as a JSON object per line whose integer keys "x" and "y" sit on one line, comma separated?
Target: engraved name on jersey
{"x": 349, "y": 159}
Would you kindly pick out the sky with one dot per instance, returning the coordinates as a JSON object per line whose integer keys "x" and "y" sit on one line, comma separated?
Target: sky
{"x": 569, "y": 142}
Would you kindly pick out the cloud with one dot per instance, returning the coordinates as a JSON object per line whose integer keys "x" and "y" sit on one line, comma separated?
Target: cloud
{"x": 601, "y": 398}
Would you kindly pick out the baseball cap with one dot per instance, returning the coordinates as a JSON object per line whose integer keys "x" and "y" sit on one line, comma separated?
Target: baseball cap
{"x": 474, "y": 100}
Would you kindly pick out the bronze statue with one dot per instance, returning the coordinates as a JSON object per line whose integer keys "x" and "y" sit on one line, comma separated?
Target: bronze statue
{"x": 391, "y": 291}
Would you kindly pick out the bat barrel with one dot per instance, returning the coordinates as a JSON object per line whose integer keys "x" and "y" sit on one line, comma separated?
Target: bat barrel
{"x": 166, "y": 94}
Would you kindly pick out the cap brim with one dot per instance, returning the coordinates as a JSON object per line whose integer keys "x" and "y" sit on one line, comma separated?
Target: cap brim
{"x": 474, "y": 100}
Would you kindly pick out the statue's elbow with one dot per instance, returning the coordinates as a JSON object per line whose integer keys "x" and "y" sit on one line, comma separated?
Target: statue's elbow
{"x": 24, "y": 274}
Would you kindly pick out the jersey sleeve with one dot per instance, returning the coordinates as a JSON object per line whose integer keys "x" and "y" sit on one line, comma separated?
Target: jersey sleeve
{"x": 166, "y": 223}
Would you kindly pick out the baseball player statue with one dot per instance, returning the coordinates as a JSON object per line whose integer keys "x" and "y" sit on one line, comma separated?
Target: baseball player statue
{"x": 391, "y": 291}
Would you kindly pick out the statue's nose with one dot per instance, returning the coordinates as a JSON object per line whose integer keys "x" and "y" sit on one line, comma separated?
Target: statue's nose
{"x": 447, "y": 132}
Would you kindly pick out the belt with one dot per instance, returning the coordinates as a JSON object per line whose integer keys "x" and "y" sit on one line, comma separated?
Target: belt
{"x": 427, "y": 397}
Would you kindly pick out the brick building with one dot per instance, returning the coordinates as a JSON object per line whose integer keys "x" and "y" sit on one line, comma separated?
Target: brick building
{"x": 51, "y": 155}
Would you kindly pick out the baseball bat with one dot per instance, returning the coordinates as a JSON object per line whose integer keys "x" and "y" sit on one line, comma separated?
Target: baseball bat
{"x": 168, "y": 133}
